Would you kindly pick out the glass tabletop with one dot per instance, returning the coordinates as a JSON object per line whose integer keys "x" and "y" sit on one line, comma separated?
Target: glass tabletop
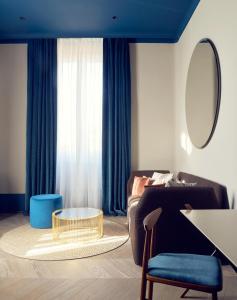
{"x": 78, "y": 213}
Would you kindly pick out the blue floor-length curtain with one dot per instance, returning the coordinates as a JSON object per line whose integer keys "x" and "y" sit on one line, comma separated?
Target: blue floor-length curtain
{"x": 116, "y": 134}
{"x": 41, "y": 118}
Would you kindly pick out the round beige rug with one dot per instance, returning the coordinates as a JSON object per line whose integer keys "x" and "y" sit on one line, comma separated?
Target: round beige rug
{"x": 27, "y": 242}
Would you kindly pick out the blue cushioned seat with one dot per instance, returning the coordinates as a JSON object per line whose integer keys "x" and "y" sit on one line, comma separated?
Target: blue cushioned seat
{"x": 190, "y": 268}
{"x": 41, "y": 209}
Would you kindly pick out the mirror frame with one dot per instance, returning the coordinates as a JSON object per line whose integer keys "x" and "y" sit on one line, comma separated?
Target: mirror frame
{"x": 218, "y": 100}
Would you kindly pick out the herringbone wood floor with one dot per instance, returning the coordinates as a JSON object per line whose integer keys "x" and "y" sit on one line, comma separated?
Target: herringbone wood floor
{"x": 111, "y": 276}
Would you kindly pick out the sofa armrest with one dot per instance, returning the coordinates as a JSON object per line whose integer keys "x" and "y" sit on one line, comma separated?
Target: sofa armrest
{"x": 134, "y": 173}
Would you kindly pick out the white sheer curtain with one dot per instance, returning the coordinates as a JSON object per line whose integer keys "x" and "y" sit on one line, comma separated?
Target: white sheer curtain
{"x": 79, "y": 138}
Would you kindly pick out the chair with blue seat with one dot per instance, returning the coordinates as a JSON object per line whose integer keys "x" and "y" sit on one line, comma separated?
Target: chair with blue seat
{"x": 41, "y": 209}
{"x": 190, "y": 271}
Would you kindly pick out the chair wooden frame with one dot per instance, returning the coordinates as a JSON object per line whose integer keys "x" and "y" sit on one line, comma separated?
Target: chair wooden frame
{"x": 149, "y": 225}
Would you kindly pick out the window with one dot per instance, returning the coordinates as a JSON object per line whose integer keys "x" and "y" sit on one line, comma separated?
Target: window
{"x": 79, "y": 138}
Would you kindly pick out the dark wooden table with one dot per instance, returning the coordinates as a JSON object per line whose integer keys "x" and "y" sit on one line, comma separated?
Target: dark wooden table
{"x": 220, "y": 227}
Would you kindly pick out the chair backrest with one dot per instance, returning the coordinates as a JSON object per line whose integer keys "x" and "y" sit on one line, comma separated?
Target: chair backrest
{"x": 151, "y": 219}
{"x": 149, "y": 225}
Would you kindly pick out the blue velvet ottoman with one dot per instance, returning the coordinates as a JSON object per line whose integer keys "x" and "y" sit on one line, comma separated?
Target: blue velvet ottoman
{"x": 41, "y": 208}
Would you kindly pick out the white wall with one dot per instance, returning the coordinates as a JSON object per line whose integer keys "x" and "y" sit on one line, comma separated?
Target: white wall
{"x": 218, "y": 161}
{"x": 152, "y": 106}
{"x": 13, "y": 85}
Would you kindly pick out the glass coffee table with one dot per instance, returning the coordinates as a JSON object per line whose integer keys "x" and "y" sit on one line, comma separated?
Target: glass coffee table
{"x": 84, "y": 224}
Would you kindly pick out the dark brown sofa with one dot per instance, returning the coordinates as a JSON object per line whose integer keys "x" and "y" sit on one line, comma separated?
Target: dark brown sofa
{"x": 174, "y": 232}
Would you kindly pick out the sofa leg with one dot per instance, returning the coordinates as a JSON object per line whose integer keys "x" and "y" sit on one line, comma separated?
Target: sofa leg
{"x": 214, "y": 296}
{"x": 184, "y": 293}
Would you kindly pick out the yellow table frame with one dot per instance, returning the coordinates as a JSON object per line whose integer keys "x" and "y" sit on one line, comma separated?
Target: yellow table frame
{"x": 80, "y": 227}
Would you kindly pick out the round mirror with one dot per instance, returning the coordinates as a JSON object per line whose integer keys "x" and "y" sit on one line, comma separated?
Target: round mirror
{"x": 203, "y": 92}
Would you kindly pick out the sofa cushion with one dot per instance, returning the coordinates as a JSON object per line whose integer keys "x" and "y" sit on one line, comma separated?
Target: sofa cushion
{"x": 139, "y": 185}
{"x": 178, "y": 183}
{"x": 160, "y": 178}
{"x": 147, "y": 173}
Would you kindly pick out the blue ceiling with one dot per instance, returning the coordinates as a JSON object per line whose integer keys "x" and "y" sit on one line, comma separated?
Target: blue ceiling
{"x": 160, "y": 20}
